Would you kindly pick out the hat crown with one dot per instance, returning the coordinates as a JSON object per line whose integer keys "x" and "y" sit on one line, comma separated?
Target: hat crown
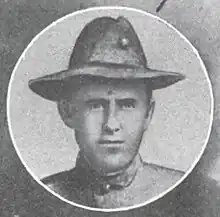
{"x": 108, "y": 40}
{"x": 107, "y": 48}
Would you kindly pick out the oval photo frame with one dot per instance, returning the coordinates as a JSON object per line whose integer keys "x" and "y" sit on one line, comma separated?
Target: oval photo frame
{"x": 181, "y": 123}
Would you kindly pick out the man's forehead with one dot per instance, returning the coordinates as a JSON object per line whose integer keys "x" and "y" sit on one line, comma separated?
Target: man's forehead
{"x": 107, "y": 90}
{"x": 105, "y": 87}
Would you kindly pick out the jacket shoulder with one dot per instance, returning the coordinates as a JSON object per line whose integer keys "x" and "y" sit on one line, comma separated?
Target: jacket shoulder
{"x": 58, "y": 177}
{"x": 161, "y": 177}
{"x": 65, "y": 183}
{"x": 162, "y": 170}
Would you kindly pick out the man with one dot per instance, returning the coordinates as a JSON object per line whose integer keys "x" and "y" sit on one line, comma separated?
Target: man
{"x": 105, "y": 96}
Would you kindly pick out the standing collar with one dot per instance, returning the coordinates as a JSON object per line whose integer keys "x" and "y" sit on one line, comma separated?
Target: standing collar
{"x": 118, "y": 181}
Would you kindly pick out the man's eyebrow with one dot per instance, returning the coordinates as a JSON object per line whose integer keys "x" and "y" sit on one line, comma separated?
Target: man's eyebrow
{"x": 101, "y": 100}
{"x": 106, "y": 101}
{"x": 127, "y": 99}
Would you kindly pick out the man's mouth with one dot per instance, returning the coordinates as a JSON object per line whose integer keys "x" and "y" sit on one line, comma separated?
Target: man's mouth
{"x": 109, "y": 142}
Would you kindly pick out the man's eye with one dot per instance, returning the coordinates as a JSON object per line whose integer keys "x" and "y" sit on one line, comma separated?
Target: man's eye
{"x": 96, "y": 106}
{"x": 127, "y": 105}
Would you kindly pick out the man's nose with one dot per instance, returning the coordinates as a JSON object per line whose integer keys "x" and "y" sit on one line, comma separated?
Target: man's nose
{"x": 111, "y": 124}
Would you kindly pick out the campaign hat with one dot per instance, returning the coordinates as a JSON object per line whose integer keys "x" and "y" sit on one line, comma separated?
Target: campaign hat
{"x": 106, "y": 48}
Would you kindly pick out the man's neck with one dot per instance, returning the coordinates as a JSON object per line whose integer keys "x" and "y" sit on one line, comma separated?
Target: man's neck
{"x": 121, "y": 178}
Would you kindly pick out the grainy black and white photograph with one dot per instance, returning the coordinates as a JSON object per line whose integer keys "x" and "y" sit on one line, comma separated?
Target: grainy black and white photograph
{"x": 105, "y": 118}
{"x": 109, "y": 111}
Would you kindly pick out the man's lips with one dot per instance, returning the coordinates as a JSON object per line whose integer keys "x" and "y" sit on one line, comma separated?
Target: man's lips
{"x": 110, "y": 141}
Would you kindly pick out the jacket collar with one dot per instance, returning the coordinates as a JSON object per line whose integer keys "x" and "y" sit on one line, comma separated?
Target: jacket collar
{"x": 104, "y": 183}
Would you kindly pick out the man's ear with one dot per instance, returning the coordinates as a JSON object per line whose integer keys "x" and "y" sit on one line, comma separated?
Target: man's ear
{"x": 149, "y": 113}
{"x": 66, "y": 113}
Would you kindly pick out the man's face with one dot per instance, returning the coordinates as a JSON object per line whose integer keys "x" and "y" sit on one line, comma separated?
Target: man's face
{"x": 109, "y": 120}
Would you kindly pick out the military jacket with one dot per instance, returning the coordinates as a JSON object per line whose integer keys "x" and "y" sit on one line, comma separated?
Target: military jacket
{"x": 137, "y": 184}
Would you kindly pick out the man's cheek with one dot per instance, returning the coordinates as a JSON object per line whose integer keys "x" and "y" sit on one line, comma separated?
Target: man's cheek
{"x": 130, "y": 118}
{"x": 133, "y": 128}
{"x": 93, "y": 123}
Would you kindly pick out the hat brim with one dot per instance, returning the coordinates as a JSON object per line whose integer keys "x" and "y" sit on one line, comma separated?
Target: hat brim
{"x": 52, "y": 86}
